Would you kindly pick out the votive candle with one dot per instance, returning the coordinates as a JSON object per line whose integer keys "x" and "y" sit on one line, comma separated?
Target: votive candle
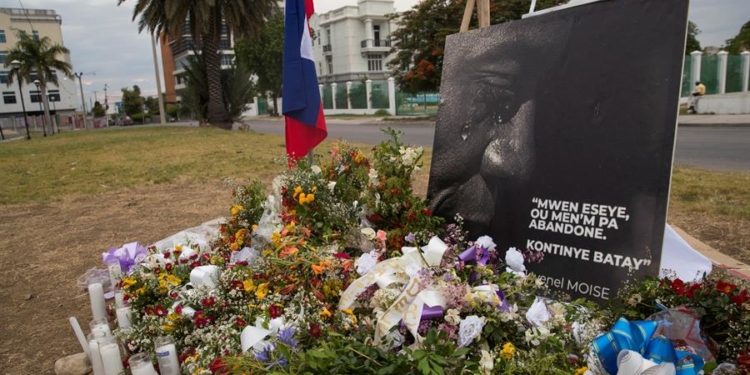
{"x": 140, "y": 364}
{"x": 100, "y": 325}
{"x": 109, "y": 349}
{"x": 123, "y": 317}
{"x": 119, "y": 298}
{"x": 94, "y": 355}
{"x": 98, "y": 305}
{"x": 166, "y": 355}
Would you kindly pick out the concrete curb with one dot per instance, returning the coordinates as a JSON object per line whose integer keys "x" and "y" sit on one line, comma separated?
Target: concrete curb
{"x": 731, "y": 265}
{"x": 707, "y": 125}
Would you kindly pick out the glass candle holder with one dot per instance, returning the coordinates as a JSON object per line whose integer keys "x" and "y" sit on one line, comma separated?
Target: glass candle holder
{"x": 109, "y": 349}
{"x": 100, "y": 325}
{"x": 166, "y": 355}
{"x": 140, "y": 364}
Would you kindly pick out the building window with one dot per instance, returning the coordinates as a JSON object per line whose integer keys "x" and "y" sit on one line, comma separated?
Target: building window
{"x": 4, "y": 77}
{"x": 2, "y": 36}
{"x": 226, "y": 59}
{"x": 53, "y": 95}
{"x": 320, "y": 68}
{"x": 3, "y": 57}
{"x": 328, "y": 35}
{"x": 35, "y": 35}
{"x": 329, "y": 62}
{"x": 9, "y": 97}
{"x": 374, "y": 62}
{"x": 320, "y": 36}
{"x": 224, "y": 44}
{"x": 36, "y": 96}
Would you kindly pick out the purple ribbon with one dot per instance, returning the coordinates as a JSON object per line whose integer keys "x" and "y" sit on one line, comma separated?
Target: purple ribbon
{"x": 503, "y": 303}
{"x": 475, "y": 255}
{"x": 432, "y": 312}
{"x": 128, "y": 255}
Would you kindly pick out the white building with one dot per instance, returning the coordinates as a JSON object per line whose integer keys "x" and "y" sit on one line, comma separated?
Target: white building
{"x": 63, "y": 98}
{"x": 353, "y": 42}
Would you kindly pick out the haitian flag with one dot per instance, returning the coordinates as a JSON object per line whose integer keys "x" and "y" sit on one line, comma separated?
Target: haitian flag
{"x": 305, "y": 123}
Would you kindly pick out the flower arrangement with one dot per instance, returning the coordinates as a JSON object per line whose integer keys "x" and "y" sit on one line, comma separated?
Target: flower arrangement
{"x": 342, "y": 269}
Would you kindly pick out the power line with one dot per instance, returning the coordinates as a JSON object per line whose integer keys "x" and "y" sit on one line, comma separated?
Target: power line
{"x": 26, "y": 14}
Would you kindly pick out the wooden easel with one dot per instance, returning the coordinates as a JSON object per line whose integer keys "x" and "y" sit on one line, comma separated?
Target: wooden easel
{"x": 483, "y": 14}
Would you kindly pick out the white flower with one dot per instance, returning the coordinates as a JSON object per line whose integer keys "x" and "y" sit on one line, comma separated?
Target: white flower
{"x": 514, "y": 259}
{"x": 536, "y": 335}
{"x": 469, "y": 329}
{"x": 373, "y": 175}
{"x": 487, "y": 363}
{"x": 366, "y": 263}
{"x": 394, "y": 339}
{"x": 558, "y": 311}
{"x": 452, "y": 317}
{"x": 316, "y": 169}
{"x": 331, "y": 186}
{"x": 409, "y": 155}
{"x": 485, "y": 242}
{"x": 538, "y": 314}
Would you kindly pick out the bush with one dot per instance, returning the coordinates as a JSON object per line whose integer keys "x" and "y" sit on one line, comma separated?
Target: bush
{"x": 382, "y": 112}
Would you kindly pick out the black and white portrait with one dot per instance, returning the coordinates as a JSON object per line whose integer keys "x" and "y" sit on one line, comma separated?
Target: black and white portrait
{"x": 578, "y": 106}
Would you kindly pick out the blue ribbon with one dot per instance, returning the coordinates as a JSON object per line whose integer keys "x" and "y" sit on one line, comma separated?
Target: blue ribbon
{"x": 636, "y": 336}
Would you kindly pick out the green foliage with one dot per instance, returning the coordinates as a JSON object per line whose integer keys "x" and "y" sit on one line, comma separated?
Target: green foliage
{"x": 98, "y": 109}
{"x": 382, "y": 112}
{"x": 420, "y": 38}
{"x": 152, "y": 105}
{"x": 132, "y": 102}
{"x": 692, "y": 44}
{"x": 741, "y": 41}
{"x": 262, "y": 56}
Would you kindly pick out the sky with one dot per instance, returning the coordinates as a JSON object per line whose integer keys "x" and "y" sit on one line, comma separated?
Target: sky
{"x": 103, "y": 39}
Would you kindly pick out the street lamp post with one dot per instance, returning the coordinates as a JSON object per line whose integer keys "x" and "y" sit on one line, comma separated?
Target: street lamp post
{"x": 17, "y": 65}
{"x": 83, "y": 100}
{"x": 39, "y": 88}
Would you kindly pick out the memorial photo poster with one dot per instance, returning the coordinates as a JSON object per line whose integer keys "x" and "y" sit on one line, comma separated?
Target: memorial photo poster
{"x": 556, "y": 133}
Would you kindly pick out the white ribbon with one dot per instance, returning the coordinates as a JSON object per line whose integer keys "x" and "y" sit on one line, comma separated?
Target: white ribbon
{"x": 254, "y": 336}
{"x": 206, "y": 276}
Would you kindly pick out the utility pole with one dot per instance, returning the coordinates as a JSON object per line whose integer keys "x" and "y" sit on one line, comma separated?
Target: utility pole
{"x": 83, "y": 100}
{"x": 106, "y": 106}
{"x": 162, "y": 113}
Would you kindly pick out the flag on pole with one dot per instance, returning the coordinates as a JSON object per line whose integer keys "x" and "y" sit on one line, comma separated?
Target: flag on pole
{"x": 302, "y": 107}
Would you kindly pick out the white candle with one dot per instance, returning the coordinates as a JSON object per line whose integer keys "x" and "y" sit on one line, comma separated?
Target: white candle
{"x": 140, "y": 364}
{"x": 123, "y": 317}
{"x": 94, "y": 355}
{"x": 98, "y": 306}
{"x": 119, "y": 298}
{"x": 115, "y": 272}
{"x": 79, "y": 334}
{"x": 166, "y": 354}
{"x": 100, "y": 325}
{"x": 110, "y": 352}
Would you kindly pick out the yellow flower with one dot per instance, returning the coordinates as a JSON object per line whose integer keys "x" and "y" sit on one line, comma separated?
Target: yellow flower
{"x": 276, "y": 238}
{"x": 358, "y": 157}
{"x": 351, "y": 315}
{"x": 174, "y": 280}
{"x": 508, "y": 350}
{"x": 140, "y": 290}
{"x": 128, "y": 282}
{"x": 325, "y": 313}
{"x": 254, "y": 227}
{"x": 178, "y": 247}
{"x": 297, "y": 190}
{"x": 236, "y": 209}
{"x": 262, "y": 291}
{"x": 167, "y": 327}
{"x": 582, "y": 370}
{"x": 302, "y": 198}
{"x": 248, "y": 285}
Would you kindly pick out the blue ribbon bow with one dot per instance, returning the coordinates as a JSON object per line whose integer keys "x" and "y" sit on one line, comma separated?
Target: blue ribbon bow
{"x": 636, "y": 336}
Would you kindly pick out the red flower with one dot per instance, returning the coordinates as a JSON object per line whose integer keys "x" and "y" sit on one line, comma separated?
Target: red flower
{"x": 427, "y": 212}
{"x": 240, "y": 322}
{"x": 725, "y": 287}
{"x": 157, "y": 270}
{"x": 160, "y": 311}
{"x": 741, "y": 298}
{"x": 315, "y": 330}
{"x": 743, "y": 360}
{"x": 275, "y": 311}
{"x": 342, "y": 256}
{"x": 412, "y": 216}
{"x": 238, "y": 285}
{"x": 678, "y": 286}
{"x": 691, "y": 291}
{"x": 149, "y": 310}
{"x": 168, "y": 267}
{"x": 200, "y": 320}
{"x": 166, "y": 254}
{"x": 195, "y": 264}
{"x": 178, "y": 309}
{"x": 218, "y": 367}
{"x": 208, "y": 301}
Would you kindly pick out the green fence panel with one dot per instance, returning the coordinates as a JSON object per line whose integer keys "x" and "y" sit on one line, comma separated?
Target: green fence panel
{"x": 734, "y": 73}
{"x": 262, "y": 106}
{"x": 422, "y": 104}
{"x": 380, "y": 94}
{"x": 341, "y": 97}
{"x": 327, "y": 97}
{"x": 686, "y": 84}
{"x": 710, "y": 73}
{"x": 358, "y": 96}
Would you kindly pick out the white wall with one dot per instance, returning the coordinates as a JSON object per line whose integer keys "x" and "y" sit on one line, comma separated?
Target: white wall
{"x": 725, "y": 104}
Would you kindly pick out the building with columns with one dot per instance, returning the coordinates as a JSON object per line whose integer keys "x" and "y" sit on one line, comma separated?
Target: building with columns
{"x": 63, "y": 98}
{"x": 352, "y": 43}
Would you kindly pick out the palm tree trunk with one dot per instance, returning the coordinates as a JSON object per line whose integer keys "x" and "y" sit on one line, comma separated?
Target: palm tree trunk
{"x": 217, "y": 112}
{"x": 45, "y": 103}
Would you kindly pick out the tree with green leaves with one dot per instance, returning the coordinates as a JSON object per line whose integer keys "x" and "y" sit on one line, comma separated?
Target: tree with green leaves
{"x": 692, "y": 43}
{"x": 132, "y": 102}
{"x": 42, "y": 58}
{"x": 741, "y": 41}
{"x": 237, "y": 89}
{"x": 98, "y": 109}
{"x": 420, "y": 39}
{"x": 204, "y": 19}
{"x": 262, "y": 56}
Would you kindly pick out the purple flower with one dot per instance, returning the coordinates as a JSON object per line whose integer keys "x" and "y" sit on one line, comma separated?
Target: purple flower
{"x": 410, "y": 238}
{"x": 286, "y": 336}
{"x": 265, "y": 354}
{"x": 128, "y": 255}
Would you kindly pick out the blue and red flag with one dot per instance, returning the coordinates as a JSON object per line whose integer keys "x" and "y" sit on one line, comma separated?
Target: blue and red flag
{"x": 305, "y": 123}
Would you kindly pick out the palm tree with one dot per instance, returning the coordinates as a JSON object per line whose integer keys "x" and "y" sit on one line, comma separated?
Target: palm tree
{"x": 42, "y": 57}
{"x": 204, "y": 19}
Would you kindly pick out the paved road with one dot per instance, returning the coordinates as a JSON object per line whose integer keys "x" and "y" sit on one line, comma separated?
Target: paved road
{"x": 716, "y": 147}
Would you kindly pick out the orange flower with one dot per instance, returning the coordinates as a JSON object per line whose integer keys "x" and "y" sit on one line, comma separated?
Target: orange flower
{"x": 287, "y": 251}
{"x": 317, "y": 269}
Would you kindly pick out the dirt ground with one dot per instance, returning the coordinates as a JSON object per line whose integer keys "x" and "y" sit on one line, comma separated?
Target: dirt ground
{"x": 44, "y": 248}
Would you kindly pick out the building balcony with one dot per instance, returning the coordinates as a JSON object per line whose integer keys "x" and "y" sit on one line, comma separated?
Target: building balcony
{"x": 327, "y": 49}
{"x": 375, "y": 45}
